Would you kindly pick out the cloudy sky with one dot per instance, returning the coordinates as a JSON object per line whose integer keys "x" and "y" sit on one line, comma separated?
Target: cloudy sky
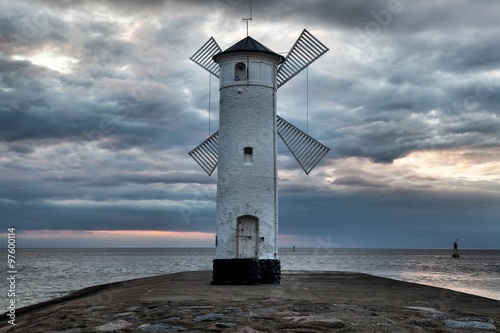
{"x": 100, "y": 104}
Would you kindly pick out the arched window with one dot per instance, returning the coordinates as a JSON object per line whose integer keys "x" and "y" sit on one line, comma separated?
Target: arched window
{"x": 240, "y": 72}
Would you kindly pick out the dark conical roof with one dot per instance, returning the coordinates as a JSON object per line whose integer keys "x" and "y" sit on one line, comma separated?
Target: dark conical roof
{"x": 248, "y": 44}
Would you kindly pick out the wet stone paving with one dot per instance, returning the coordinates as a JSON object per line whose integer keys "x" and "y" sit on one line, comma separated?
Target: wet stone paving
{"x": 292, "y": 318}
{"x": 305, "y": 302}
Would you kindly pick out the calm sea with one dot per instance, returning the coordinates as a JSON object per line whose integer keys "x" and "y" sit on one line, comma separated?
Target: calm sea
{"x": 44, "y": 274}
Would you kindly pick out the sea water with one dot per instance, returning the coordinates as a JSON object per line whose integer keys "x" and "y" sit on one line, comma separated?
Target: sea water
{"x": 43, "y": 274}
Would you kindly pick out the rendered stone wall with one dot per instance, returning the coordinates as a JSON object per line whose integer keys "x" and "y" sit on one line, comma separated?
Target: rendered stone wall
{"x": 247, "y": 119}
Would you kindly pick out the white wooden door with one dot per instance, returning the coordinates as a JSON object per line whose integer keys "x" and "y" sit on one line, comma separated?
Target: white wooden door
{"x": 246, "y": 238}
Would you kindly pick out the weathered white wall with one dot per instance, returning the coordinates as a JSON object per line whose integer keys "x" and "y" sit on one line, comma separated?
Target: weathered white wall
{"x": 247, "y": 119}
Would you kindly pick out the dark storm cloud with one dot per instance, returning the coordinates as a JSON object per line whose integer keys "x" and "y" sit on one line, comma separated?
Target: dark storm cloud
{"x": 25, "y": 27}
{"x": 358, "y": 181}
{"x": 35, "y": 109}
{"x": 172, "y": 178}
{"x": 345, "y": 14}
{"x": 401, "y": 218}
{"x": 404, "y": 89}
{"x": 105, "y": 51}
{"x": 7, "y": 66}
{"x": 20, "y": 148}
{"x": 113, "y": 217}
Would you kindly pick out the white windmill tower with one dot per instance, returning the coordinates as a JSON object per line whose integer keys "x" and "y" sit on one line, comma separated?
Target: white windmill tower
{"x": 244, "y": 150}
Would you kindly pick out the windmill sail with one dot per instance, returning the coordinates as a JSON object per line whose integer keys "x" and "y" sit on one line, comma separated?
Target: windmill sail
{"x": 203, "y": 56}
{"x": 304, "y": 52}
{"x": 306, "y": 150}
{"x": 206, "y": 154}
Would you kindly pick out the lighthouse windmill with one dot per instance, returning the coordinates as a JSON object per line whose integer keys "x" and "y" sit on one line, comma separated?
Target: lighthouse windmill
{"x": 244, "y": 150}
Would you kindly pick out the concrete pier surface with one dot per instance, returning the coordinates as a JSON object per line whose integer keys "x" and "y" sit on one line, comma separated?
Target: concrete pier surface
{"x": 305, "y": 301}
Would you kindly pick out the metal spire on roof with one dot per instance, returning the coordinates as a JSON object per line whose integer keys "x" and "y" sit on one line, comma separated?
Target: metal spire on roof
{"x": 249, "y": 18}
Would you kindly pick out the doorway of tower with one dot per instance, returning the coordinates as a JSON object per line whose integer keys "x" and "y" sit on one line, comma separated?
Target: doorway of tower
{"x": 246, "y": 237}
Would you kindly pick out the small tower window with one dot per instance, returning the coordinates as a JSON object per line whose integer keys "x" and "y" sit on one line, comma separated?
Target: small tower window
{"x": 240, "y": 72}
{"x": 248, "y": 155}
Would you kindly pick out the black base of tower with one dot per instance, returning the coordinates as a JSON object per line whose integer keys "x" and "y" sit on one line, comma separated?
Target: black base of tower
{"x": 246, "y": 271}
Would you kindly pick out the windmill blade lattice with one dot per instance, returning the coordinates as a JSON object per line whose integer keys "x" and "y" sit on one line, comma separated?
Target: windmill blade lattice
{"x": 306, "y": 150}
{"x": 203, "y": 56}
{"x": 206, "y": 154}
{"x": 304, "y": 52}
